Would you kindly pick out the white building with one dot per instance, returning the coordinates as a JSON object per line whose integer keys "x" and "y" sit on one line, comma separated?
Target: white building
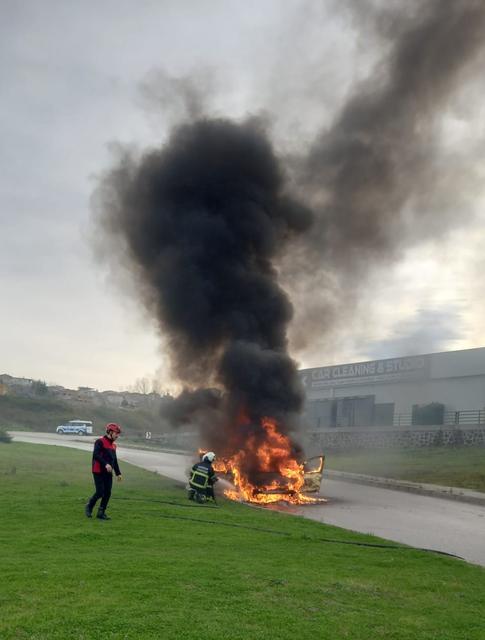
{"x": 436, "y": 388}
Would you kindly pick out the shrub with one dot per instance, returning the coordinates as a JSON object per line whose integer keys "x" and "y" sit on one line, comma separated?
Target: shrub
{"x": 4, "y": 436}
{"x": 457, "y": 439}
{"x": 438, "y": 440}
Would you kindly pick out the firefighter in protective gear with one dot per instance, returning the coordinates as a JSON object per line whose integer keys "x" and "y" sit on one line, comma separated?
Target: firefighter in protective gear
{"x": 103, "y": 464}
{"x": 203, "y": 477}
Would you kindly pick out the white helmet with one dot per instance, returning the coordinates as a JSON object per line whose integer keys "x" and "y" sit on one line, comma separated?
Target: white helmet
{"x": 210, "y": 456}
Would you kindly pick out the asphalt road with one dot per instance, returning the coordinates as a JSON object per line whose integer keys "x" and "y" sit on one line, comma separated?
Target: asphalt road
{"x": 426, "y": 522}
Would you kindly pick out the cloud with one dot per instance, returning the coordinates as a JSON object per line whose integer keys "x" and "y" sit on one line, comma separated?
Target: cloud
{"x": 428, "y": 331}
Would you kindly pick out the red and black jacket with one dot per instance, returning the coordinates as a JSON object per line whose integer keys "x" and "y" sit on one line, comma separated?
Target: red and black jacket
{"x": 105, "y": 453}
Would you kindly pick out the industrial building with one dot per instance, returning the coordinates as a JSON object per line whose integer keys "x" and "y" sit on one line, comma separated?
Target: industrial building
{"x": 437, "y": 388}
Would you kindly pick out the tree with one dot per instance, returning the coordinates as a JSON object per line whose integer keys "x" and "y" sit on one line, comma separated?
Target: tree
{"x": 156, "y": 386}
{"x": 142, "y": 385}
{"x": 39, "y": 388}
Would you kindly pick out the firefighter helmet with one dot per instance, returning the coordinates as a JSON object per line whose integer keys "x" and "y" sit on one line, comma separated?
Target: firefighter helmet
{"x": 210, "y": 456}
{"x": 113, "y": 427}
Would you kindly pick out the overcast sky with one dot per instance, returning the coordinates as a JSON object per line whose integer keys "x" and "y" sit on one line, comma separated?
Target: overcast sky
{"x": 78, "y": 77}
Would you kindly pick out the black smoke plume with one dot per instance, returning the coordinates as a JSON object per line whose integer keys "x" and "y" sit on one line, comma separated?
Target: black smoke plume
{"x": 378, "y": 177}
{"x": 202, "y": 220}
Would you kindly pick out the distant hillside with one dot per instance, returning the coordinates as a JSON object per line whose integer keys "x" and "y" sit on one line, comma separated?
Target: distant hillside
{"x": 45, "y": 414}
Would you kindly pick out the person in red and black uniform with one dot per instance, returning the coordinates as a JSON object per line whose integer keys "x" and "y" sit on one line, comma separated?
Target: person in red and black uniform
{"x": 104, "y": 463}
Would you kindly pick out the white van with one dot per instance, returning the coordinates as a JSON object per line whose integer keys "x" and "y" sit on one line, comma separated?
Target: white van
{"x": 80, "y": 427}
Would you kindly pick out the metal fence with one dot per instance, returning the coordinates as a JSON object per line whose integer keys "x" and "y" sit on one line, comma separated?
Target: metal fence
{"x": 450, "y": 418}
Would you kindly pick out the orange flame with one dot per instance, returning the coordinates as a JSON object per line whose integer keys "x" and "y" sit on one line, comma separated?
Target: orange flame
{"x": 274, "y": 456}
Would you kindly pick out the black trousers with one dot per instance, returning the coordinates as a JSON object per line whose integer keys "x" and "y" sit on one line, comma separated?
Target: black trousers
{"x": 103, "y": 483}
{"x": 209, "y": 490}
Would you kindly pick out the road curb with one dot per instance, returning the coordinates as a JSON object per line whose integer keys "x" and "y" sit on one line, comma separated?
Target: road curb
{"x": 434, "y": 490}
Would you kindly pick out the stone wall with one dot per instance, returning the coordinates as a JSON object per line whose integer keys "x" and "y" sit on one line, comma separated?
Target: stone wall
{"x": 385, "y": 438}
{"x": 364, "y": 438}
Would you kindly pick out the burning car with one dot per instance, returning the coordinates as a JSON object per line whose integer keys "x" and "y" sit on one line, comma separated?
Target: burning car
{"x": 279, "y": 486}
{"x": 272, "y": 482}
{"x": 270, "y": 472}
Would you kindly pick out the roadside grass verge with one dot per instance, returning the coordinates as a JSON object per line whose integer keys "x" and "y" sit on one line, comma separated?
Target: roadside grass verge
{"x": 164, "y": 568}
{"x": 448, "y": 466}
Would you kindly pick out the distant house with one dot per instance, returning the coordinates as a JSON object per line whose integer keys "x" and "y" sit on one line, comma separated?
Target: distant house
{"x": 81, "y": 394}
{"x": 87, "y": 391}
{"x": 112, "y": 398}
{"x": 17, "y": 386}
{"x": 11, "y": 381}
{"x": 56, "y": 390}
{"x": 62, "y": 393}
{"x": 86, "y": 394}
{"x": 137, "y": 399}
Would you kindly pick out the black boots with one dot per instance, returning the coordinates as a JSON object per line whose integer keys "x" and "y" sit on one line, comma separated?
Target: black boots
{"x": 101, "y": 515}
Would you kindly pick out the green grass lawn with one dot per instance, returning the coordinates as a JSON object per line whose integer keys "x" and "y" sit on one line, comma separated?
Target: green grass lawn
{"x": 448, "y": 466}
{"x": 164, "y": 568}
